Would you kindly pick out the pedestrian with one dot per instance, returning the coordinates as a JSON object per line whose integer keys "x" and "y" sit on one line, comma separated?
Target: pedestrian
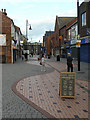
{"x": 22, "y": 56}
{"x": 43, "y": 68}
{"x": 26, "y": 56}
{"x": 69, "y": 63}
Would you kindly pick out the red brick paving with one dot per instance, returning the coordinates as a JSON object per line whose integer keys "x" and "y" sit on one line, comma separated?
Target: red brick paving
{"x": 43, "y": 91}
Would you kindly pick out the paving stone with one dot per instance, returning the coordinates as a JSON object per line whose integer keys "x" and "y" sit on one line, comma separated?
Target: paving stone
{"x": 11, "y": 103}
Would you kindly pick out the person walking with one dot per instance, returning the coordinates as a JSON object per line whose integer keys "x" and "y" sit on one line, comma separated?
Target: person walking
{"x": 69, "y": 63}
{"x": 26, "y": 56}
{"x": 22, "y": 56}
{"x": 43, "y": 63}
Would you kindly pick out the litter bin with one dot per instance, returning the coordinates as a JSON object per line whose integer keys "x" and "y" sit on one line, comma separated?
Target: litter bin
{"x": 48, "y": 56}
{"x": 58, "y": 57}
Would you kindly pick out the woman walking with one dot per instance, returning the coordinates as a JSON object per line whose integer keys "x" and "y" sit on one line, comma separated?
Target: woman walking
{"x": 43, "y": 68}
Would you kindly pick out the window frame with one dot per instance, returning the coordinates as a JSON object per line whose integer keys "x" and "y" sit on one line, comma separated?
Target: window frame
{"x": 84, "y": 18}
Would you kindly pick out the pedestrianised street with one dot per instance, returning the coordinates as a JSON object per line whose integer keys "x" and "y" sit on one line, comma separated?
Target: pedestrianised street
{"x": 28, "y": 92}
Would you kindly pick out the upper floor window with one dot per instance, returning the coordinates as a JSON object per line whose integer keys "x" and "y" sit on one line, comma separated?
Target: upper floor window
{"x": 84, "y": 19}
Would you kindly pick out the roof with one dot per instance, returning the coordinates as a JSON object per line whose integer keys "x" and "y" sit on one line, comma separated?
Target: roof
{"x": 18, "y": 29}
{"x": 62, "y": 21}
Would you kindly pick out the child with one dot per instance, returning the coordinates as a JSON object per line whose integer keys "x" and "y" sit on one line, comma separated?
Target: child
{"x": 43, "y": 63}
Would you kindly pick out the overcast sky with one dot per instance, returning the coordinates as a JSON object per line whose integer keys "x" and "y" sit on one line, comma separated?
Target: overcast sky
{"x": 41, "y": 14}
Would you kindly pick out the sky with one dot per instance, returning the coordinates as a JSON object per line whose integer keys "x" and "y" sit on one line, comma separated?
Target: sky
{"x": 41, "y": 14}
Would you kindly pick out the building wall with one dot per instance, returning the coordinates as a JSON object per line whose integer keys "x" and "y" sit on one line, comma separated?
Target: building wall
{"x": 6, "y": 29}
{"x": 56, "y": 34}
{"x": 49, "y": 43}
{"x": 85, "y": 39}
{"x": 71, "y": 31}
{"x": 85, "y": 7}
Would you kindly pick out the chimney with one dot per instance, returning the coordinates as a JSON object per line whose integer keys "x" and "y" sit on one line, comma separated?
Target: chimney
{"x": 2, "y": 10}
{"x": 5, "y": 12}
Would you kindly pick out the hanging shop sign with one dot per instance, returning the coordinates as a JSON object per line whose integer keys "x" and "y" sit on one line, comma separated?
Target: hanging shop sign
{"x": 60, "y": 37}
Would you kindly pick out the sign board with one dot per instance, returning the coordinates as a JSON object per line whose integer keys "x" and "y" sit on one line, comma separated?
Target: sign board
{"x": 60, "y": 37}
{"x": 67, "y": 84}
{"x": 78, "y": 43}
{"x": 88, "y": 31}
{"x": 2, "y": 40}
{"x": 78, "y": 37}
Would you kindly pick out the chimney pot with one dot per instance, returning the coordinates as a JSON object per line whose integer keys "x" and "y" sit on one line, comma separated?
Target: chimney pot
{"x": 2, "y": 10}
{"x": 5, "y": 12}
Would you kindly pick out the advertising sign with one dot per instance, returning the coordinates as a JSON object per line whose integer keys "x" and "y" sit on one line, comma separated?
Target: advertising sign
{"x": 2, "y": 40}
{"x": 78, "y": 37}
{"x": 67, "y": 84}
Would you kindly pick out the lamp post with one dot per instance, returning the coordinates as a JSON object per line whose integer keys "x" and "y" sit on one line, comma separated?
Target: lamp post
{"x": 78, "y": 34}
{"x": 27, "y": 24}
{"x": 26, "y": 46}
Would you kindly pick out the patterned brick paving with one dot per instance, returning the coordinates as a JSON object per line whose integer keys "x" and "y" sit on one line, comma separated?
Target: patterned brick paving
{"x": 60, "y": 66}
{"x": 43, "y": 91}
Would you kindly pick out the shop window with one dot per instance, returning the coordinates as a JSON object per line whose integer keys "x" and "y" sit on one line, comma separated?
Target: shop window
{"x": 84, "y": 19}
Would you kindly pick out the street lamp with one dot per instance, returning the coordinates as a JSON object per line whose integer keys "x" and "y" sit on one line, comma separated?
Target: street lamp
{"x": 78, "y": 34}
{"x": 26, "y": 46}
{"x": 27, "y": 24}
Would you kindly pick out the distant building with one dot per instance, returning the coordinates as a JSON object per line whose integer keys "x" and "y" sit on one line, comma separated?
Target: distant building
{"x": 46, "y": 42}
{"x": 35, "y": 48}
{"x": 49, "y": 44}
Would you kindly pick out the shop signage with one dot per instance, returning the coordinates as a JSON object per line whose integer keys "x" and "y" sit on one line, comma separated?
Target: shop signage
{"x": 73, "y": 42}
{"x": 78, "y": 43}
{"x": 88, "y": 31}
{"x": 67, "y": 84}
{"x": 2, "y": 40}
{"x": 85, "y": 40}
{"x": 60, "y": 37}
{"x": 78, "y": 37}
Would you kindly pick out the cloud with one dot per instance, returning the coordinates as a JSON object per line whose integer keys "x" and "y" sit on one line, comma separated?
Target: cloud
{"x": 14, "y": 2}
{"x": 28, "y": 6}
{"x": 39, "y": 29}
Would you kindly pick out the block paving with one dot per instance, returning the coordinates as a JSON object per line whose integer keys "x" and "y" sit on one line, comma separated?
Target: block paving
{"x": 43, "y": 91}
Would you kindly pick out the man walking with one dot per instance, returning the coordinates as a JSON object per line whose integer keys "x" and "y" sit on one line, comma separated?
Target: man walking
{"x": 69, "y": 63}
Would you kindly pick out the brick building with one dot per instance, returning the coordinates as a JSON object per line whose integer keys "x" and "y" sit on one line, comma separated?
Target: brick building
{"x": 84, "y": 31}
{"x": 60, "y": 30}
{"x": 12, "y": 39}
{"x": 49, "y": 44}
{"x": 46, "y": 42}
{"x": 6, "y": 30}
{"x": 72, "y": 32}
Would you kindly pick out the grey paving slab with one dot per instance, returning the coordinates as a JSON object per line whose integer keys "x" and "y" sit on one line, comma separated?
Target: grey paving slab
{"x": 12, "y": 105}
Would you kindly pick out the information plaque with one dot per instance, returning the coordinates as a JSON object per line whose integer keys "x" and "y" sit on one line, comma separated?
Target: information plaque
{"x": 67, "y": 84}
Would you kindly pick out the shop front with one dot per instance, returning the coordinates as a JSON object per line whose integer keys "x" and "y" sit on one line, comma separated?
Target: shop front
{"x": 85, "y": 49}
